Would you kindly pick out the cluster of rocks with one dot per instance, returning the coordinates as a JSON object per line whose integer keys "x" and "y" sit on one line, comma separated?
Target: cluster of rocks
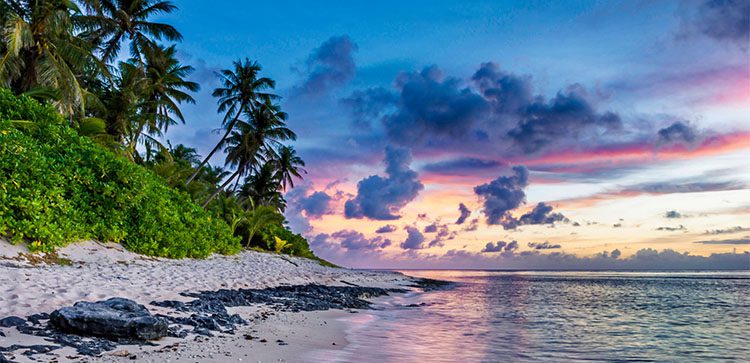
{"x": 94, "y": 327}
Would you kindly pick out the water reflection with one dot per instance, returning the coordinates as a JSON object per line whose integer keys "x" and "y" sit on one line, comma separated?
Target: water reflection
{"x": 561, "y": 316}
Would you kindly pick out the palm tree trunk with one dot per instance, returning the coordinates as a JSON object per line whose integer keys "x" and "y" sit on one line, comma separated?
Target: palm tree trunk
{"x": 217, "y": 147}
{"x": 221, "y": 188}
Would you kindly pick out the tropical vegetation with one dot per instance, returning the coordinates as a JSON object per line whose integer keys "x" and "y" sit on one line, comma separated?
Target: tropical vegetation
{"x": 89, "y": 91}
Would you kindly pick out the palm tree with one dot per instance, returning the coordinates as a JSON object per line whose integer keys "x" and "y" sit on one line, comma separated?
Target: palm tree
{"x": 243, "y": 89}
{"x": 153, "y": 97}
{"x": 253, "y": 143}
{"x": 262, "y": 188}
{"x": 288, "y": 165}
{"x": 242, "y": 154}
{"x": 110, "y": 22}
{"x": 41, "y": 53}
{"x": 167, "y": 86}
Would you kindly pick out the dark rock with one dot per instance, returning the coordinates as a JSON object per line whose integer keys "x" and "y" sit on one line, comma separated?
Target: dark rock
{"x": 113, "y": 318}
{"x": 12, "y": 321}
{"x": 35, "y": 319}
{"x": 4, "y": 360}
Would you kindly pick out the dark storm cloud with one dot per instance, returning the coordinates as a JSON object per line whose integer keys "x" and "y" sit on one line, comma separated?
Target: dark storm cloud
{"x": 672, "y": 214}
{"x": 543, "y": 246}
{"x": 329, "y": 66}
{"x": 369, "y": 104}
{"x": 541, "y": 214}
{"x": 316, "y": 204}
{"x": 507, "y": 93}
{"x": 678, "y": 132}
{"x": 462, "y": 166}
{"x": 381, "y": 198}
{"x": 723, "y": 20}
{"x": 569, "y": 116}
{"x": 464, "y": 213}
{"x": 739, "y": 241}
{"x": 503, "y": 195}
{"x": 433, "y": 109}
{"x": 386, "y": 229}
{"x": 736, "y": 229}
{"x": 414, "y": 239}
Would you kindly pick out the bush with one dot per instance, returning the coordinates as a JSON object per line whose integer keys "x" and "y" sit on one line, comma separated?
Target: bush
{"x": 57, "y": 187}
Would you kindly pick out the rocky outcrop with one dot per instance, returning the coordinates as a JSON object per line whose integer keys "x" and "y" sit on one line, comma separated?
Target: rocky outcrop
{"x": 113, "y": 318}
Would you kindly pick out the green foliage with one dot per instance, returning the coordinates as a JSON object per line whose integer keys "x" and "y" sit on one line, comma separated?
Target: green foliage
{"x": 280, "y": 239}
{"x": 58, "y": 187}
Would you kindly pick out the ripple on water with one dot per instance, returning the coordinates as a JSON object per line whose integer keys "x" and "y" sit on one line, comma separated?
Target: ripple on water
{"x": 501, "y": 316}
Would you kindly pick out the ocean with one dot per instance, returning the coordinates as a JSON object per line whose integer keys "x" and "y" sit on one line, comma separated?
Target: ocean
{"x": 493, "y": 316}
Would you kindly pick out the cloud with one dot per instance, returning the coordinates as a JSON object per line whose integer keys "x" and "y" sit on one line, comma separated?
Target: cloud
{"x": 672, "y": 214}
{"x": 501, "y": 246}
{"x": 329, "y": 66}
{"x": 695, "y": 187}
{"x": 507, "y": 93}
{"x": 736, "y": 229}
{"x": 388, "y": 228}
{"x": 543, "y": 246}
{"x": 644, "y": 259}
{"x": 316, "y": 204}
{"x": 672, "y": 229}
{"x": 433, "y": 109}
{"x": 431, "y": 228}
{"x": 462, "y": 166}
{"x": 442, "y": 234}
{"x": 721, "y": 20}
{"x": 352, "y": 240}
{"x": 369, "y": 104}
{"x": 568, "y": 117}
{"x": 739, "y": 241}
{"x": 503, "y": 195}
{"x": 473, "y": 225}
{"x": 382, "y": 198}
{"x": 465, "y": 213}
{"x": 541, "y": 214}
{"x": 414, "y": 239}
{"x": 677, "y": 132}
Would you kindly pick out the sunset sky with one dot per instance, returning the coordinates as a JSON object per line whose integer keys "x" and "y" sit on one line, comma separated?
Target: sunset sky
{"x": 593, "y": 134}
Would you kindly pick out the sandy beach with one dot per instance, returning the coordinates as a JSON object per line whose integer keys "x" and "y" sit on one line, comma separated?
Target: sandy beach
{"x": 92, "y": 271}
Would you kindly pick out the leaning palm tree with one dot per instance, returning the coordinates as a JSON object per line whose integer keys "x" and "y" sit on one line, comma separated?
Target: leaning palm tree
{"x": 243, "y": 89}
{"x": 262, "y": 188}
{"x": 243, "y": 153}
{"x": 288, "y": 165}
{"x": 255, "y": 142}
{"x": 41, "y": 53}
{"x": 111, "y": 22}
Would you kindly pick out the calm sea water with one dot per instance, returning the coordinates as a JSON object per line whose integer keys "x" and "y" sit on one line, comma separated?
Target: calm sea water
{"x": 558, "y": 316}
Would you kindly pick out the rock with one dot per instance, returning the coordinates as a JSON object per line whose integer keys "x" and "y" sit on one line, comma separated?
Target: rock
{"x": 12, "y": 321}
{"x": 113, "y": 318}
{"x": 3, "y": 359}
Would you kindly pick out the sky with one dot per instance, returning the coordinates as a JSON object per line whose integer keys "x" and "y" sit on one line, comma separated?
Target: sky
{"x": 500, "y": 134}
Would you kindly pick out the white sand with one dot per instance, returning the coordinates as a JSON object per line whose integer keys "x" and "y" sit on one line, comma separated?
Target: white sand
{"x": 100, "y": 271}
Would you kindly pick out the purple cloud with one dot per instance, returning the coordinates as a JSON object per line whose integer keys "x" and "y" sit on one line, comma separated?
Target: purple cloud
{"x": 382, "y": 198}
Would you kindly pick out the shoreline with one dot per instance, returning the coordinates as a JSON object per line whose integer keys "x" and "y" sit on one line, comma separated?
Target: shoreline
{"x": 98, "y": 271}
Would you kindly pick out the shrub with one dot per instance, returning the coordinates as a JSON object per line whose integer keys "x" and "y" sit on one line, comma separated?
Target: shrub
{"x": 57, "y": 187}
